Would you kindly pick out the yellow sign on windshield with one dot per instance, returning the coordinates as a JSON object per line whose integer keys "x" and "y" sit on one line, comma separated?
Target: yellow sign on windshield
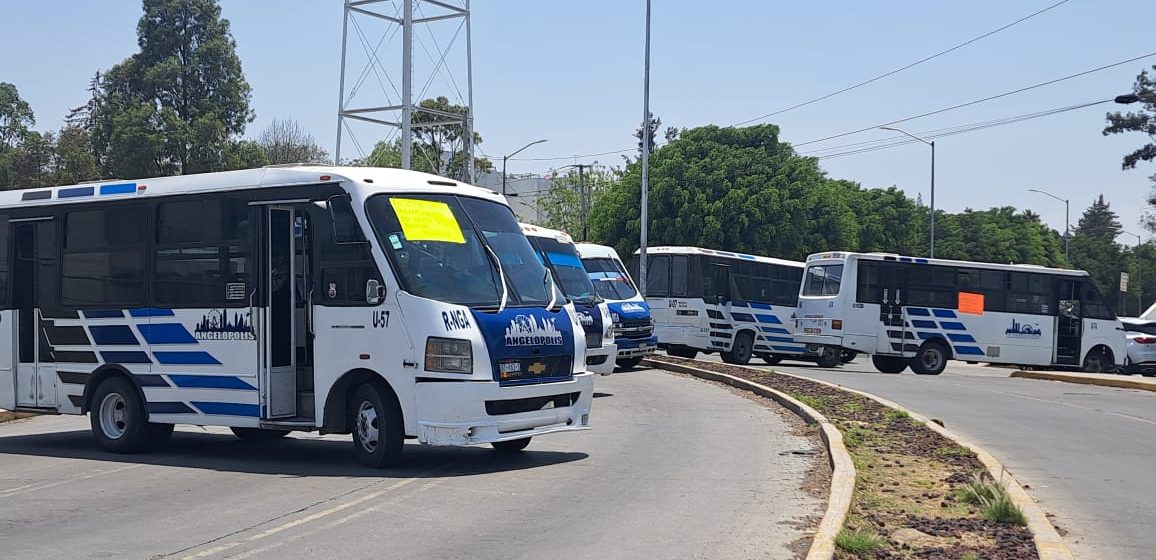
{"x": 427, "y": 220}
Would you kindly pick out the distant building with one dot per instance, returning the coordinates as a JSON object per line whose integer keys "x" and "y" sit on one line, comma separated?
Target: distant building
{"x": 523, "y": 191}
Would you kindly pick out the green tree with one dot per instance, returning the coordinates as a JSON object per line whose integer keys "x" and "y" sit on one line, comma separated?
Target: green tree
{"x": 562, "y": 203}
{"x": 15, "y": 116}
{"x": 174, "y": 106}
{"x": 1094, "y": 249}
{"x": 437, "y": 148}
{"x": 1143, "y": 120}
{"x": 284, "y": 141}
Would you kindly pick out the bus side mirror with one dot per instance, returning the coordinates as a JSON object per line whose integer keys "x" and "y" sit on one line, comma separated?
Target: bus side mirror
{"x": 374, "y": 291}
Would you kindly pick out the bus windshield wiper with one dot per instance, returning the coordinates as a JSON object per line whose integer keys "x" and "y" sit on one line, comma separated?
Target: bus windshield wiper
{"x": 549, "y": 286}
{"x": 501, "y": 276}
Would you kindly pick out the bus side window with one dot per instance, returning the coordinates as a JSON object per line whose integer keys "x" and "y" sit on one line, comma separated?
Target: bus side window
{"x": 867, "y": 286}
{"x": 346, "y": 259}
{"x": 4, "y": 229}
{"x": 658, "y": 276}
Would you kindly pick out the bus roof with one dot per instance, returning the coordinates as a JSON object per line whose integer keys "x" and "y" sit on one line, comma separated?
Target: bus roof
{"x": 531, "y": 230}
{"x": 725, "y": 254}
{"x": 844, "y": 255}
{"x": 366, "y": 180}
{"x": 595, "y": 251}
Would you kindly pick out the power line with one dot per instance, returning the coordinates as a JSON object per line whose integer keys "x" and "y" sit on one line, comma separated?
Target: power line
{"x": 983, "y": 100}
{"x": 901, "y": 69}
{"x": 580, "y": 156}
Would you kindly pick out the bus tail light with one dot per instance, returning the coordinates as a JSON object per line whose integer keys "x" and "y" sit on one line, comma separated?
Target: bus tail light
{"x": 448, "y": 355}
{"x": 1145, "y": 340}
{"x": 837, "y": 324}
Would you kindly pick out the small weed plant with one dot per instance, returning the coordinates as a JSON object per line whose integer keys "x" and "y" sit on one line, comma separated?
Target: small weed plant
{"x": 858, "y": 542}
{"x": 1003, "y": 510}
{"x": 980, "y": 489}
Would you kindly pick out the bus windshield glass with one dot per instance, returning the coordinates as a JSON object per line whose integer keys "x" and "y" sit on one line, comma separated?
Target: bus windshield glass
{"x": 442, "y": 247}
{"x": 610, "y": 280}
{"x": 823, "y": 280}
{"x": 563, "y": 260}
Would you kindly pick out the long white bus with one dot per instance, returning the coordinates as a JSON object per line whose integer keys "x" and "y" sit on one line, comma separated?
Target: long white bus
{"x": 380, "y": 303}
{"x": 557, "y": 251}
{"x": 633, "y": 325}
{"x": 917, "y": 312}
{"x": 734, "y": 304}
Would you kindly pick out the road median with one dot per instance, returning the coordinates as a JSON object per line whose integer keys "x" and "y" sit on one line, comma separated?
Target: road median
{"x": 1100, "y": 379}
{"x": 918, "y": 490}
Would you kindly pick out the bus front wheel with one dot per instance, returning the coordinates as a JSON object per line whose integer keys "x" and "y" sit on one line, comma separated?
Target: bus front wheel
{"x": 119, "y": 421}
{"x": 931, "y": 359}
{"x": 682, "y": 352}
{"x": 772, "y": 359}
{"x": 889, "y": 364}
{"x": 378, "y": 435}
{"x": 829, "y": 357}
{"x": 629, "y": 363}
{"x": 1099, "y": 360}
{"x": 740, "y": 352}
{"x": 511, "y": 446}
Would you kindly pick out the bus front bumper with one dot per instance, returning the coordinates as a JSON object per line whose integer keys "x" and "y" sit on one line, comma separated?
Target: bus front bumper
{"x": 601, "y": 360}
{"x": 471, "y": 413}
{"x": 636, "y": 347}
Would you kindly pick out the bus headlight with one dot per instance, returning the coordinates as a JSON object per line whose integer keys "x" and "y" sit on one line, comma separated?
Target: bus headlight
{"x": 448, "y": 355}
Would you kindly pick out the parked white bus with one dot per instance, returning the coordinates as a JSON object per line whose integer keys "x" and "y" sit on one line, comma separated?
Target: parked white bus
{"x": 918, "y": 312}
{"x": 633, "y": 326}
{"x": 557, "y": 251}
{"x": 378, "y": 302}
{"x": 734, "y": 304}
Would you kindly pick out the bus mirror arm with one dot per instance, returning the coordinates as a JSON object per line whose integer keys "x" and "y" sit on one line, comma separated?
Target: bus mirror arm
{"x": 374, "y": 291}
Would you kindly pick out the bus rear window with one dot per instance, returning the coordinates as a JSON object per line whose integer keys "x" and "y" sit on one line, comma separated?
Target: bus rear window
{"x": 823, "y": 280}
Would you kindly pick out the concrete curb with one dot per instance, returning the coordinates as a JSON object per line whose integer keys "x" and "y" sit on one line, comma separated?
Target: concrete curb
{"x": 1049, "y": 544}
{"x": 1119, "y": 382}
{"x": 842, "y": 469}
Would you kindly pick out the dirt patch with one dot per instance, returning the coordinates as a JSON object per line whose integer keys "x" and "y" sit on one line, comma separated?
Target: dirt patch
{"x": 907, "y": 476}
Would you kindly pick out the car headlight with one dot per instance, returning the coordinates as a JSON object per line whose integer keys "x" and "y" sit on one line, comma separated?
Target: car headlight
{"x": 449, "y": 355}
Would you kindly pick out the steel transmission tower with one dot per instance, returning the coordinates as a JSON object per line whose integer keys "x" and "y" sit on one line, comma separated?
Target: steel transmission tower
{"x": 371, "y": 99}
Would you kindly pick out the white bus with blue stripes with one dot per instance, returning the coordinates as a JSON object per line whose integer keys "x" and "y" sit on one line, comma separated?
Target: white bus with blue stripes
{"x": 381, "y": 303}
{"x": 557, "y": 251}
{"x": 734, "y": 304}
{"x": 919, "y": 313}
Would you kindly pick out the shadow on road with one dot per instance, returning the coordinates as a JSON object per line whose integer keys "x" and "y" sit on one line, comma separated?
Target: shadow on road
{"x": 288, "y": 457}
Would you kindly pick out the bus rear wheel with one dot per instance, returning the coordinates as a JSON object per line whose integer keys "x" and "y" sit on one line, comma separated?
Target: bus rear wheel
{"x": 119, "y": 421}
{"x": 740, "y": 352}
{"x": 889, "y": 364}
{"x": 829, "y": 357}
{"x": 930, "y": 359}
{"x": 771, "y": 359}
{"x": 378, "y": 435}
{"x": 1098, "y": 360}
{"x": 682, "y": 352}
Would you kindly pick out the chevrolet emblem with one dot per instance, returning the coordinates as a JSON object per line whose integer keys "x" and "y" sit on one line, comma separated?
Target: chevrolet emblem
{"x": 537, "y": 368}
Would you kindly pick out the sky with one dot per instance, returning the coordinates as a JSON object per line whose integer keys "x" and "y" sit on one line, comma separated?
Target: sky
{"x": 571, "y": 72}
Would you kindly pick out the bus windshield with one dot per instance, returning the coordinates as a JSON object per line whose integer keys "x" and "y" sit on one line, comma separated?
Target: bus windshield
{"x": 610, "y": 280}
{"x": 563, "y": 260}
{"x": 823, "y": 280}
{"x": 440, "y": 246}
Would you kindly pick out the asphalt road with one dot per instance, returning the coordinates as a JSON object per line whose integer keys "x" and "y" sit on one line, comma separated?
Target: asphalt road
{"x": 1088, "y": 454}
{"x": 674, "y": 468}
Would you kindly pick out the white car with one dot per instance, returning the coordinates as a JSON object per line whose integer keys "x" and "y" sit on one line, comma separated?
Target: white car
{"x": 1141, "y": 336}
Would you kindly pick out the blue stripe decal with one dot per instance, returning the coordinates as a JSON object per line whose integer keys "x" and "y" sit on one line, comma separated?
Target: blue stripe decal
{"x": 113, "y": 335}
{"x": 928, "y": 335}
{"x": 150, "y": 380}
{"x": 748, "y": 257}
{"x": 921, "y": 261}
{"x": 952, "y": 326}
{"x": 166, "y": 333}
{"x": 762, "y": 347}
{"x": 775, "y": 330}
{"x": 968, "y": 350}
{"x": 923, "y": 324}
{"x": 798, "y": 349}
{"x": 228, "y": 409}
{"x": 945, "y": 313}
{"x": 151, "y": 312}
{"x": 772, "y": 319}
{"x": 103, "y": 313}
{"x": 118, "y": 188}
{"x": 186, "y": 358}
{"x": 744, "y": 317}
{"x": 739, "y": 304}
{"x": 74, "y": 192}
{"x": 211, "y": 382}
{"x": 757, "y": 305}
{"x": 126, "y": 357}
{"x": 779, "y": 338}
{"x": 918, "y": 312}
{"x": 957, "y": 337}
{"x": 169, "y": 408}
{"x": 904, "y": 259}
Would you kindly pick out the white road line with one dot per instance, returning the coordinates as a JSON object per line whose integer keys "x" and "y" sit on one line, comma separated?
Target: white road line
{"x": 42, "y": 486}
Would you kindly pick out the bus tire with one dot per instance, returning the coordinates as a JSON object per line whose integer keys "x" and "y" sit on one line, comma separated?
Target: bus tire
{"x": 1098, "y": 360}
{"x": 740, "y": 352}
{"x": 931, "y": 358}
{"x": 257, "y": 434}
{"x": 629, "y": 363}
{"x": 682, "y": 352}
{"x": 829, "y": 357}
{"x": 119, "y": 421}
{"x": 847, "y": 356}
{"x": 510, "y": 446}
{"x": 378, "y": 433}
{"x": 889, "y": 364}
{"x": 771, "y": 359}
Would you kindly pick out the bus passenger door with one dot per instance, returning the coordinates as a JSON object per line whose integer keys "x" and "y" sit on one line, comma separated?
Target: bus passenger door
{"x": 893, "y": 331}
{"x": 35, "y": 250}
{"x": 277, "y": 328}
{"x": 1069, "y": 326}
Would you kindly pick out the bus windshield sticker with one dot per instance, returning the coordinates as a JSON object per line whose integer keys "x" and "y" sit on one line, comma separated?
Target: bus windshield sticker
{"x": 427, "y": 220}
{"x": 971, "y": 303}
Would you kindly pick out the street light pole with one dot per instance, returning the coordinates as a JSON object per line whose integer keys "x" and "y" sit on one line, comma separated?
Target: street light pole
{"x": 645, "y": 158}
{"x": 504, "y": 158}
{"x": 931, "y": 247}
{"x": 1139, "y": 275}
{"x": 1067, "y": 221}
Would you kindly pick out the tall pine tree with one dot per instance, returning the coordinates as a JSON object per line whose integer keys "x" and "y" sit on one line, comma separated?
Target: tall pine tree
{"x": 1094, "y": 248}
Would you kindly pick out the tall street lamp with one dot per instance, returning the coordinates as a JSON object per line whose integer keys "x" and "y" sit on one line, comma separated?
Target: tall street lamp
{"x": 931, "y": 249}
{"x": 1139, "y": 275}
{"x": 1067, "y": 221}
{"x": 644, "y": 210}
{"x": 504, "y": 158}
